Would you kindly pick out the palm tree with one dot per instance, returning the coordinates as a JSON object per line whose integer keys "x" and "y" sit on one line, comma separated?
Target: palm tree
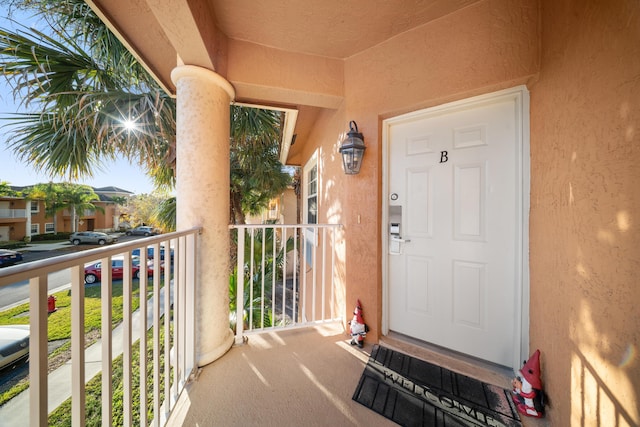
{"x": 88, "y": 93}
{"x": 165, "y": 214}
{"x": 256, "y": 171}
{"x": 88, "y": 90}
{"x": 51, "y": 195}
{"x": 79, "y": 198}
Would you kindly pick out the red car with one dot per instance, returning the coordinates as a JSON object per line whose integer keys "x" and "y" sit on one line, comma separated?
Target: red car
{"x": 93, "y": 272}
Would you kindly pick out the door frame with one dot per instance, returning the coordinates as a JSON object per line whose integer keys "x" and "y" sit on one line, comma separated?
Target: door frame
{"x": 520, "y": 96}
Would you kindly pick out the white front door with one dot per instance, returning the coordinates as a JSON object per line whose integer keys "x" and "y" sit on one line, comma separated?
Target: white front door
{"x": 455, "y": 226}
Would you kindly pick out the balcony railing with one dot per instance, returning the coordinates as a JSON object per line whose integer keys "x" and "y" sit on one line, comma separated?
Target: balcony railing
{"x": 172, "y": 293}
{"x": 289, "y": 276}
{"x": 13, "y": 213}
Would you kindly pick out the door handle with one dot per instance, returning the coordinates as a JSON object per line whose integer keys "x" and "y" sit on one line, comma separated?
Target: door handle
{"x": 400, "y": 240}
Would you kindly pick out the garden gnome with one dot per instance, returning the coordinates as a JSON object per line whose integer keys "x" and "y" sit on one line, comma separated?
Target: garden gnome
{"x": 358, "y": 328}
{"x": 527, "y": 388}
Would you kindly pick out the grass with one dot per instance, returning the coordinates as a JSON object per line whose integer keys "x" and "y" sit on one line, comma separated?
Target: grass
{"x": 93, "y": 416}
{"x": 59, "y": 323}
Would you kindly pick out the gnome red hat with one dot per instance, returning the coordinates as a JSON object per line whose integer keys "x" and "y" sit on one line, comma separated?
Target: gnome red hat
{"x": 358, "y": 312}
{"x": 531, "y": 371}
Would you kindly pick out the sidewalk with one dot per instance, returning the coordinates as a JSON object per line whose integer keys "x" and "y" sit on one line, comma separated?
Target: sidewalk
{"x": 41, "y": 247}
{"x": 16, "y": 411}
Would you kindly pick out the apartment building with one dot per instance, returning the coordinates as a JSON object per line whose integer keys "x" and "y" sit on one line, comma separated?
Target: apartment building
{"x": 21, "y": 217}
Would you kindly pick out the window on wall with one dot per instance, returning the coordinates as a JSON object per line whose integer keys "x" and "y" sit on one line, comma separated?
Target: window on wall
{"x": 311, "y": 189}
{"x": 312, "y": 195}
{"x": 311, "y": 186}
{"x": 35, "y": 207}
{"x": 35, "y": 229}
{"x": 48, "y": 228}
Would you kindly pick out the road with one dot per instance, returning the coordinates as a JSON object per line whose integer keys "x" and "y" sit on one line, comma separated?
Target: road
{"x": 18, "y": 293}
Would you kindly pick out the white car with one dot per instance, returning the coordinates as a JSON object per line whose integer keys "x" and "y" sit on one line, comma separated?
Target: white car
{"x": 14, "y": 343}
{"x": 142, "y": 230}
{"x": 94, "y": 237}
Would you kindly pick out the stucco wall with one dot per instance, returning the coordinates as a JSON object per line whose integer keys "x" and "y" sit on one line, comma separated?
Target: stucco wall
{"x": 585, "y": 201}
{"x": 485, "y": 47}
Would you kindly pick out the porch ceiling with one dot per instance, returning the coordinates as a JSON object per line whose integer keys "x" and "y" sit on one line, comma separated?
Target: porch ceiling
{"x": 238, "y": 38}
{"x": 330, "y": 28}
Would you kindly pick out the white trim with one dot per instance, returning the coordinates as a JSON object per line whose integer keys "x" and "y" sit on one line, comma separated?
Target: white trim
{"x": 520, "y": 96}
{"x": 311, "y": 234}
{"x": 288, "y": 126}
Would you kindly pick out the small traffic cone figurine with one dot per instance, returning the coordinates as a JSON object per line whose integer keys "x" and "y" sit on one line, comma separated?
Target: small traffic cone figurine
{"x": 357, "y": 326}
{"x": 527, "y": 391}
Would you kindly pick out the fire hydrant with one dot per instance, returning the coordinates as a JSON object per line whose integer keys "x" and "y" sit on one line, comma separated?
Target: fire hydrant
{"x": 51, "y": 304}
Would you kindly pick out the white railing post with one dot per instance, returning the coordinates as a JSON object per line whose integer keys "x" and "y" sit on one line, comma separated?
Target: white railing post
{"x": 190, "y": 296}
{"x": 106, "y": 326}
{"x": 295, "y": 288}
{"x": 78, "y": 397}
{"x": 323, "y": 272}
{"x": 144, "y": 310}
{"x": 240, "y": 287}
{"x": 156, "y": 333}
{"x": 182, "y": 356}
{"x": 313, "y": 271}
{"x": 38, "y": 383}
{"x": 251, "y": 273}
{"x": 127, "y": 351}
{"x": 168, "y": 263}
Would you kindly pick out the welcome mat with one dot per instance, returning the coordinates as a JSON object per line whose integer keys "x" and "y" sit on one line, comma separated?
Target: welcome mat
{"x": 412, "y": 392}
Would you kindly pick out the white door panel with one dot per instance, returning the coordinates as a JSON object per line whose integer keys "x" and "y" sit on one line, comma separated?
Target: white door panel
{"x": 453, "y": 184}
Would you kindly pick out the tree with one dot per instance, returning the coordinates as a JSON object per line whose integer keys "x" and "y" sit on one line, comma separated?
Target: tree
{"x": 51, "y": 195}
{"x": 89, "y": 98}
{"x": 86, "y": 91}
{"x": 78, "y": 198}
{"x": 256, "y": 171}
{"x": 7, "y": 191}
{"x": 165, "y": 214}
{"x": 58, "y": 196}
{"x": 141, "y": 209}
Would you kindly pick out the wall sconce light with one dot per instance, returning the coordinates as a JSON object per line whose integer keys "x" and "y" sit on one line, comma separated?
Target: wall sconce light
{"x": 352, "y": 150}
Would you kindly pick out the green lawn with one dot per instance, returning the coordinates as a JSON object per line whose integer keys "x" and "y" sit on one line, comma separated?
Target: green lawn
{"x": 59, "y": 324}
{"x": 61, "y": 417}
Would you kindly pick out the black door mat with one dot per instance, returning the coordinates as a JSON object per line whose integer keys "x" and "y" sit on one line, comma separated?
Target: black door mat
{"x": 412, "y": 392}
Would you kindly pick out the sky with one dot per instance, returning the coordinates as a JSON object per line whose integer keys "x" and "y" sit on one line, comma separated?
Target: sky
{"x": 120, "y": 173}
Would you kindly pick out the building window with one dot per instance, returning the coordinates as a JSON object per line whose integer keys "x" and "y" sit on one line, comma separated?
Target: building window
{"x": 49, "y": 228}
{"x": 311, "y": 187}
{"x": 35, "y": 229}
{"x": 35, "y": 207}
{"x": 312, "y": 195}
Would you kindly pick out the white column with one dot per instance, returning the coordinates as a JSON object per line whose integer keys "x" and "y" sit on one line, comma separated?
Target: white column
{"x": 202, "y": 191}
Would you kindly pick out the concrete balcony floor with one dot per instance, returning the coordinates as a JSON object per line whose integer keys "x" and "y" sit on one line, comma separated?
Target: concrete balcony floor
{"x": 299, "y": 377}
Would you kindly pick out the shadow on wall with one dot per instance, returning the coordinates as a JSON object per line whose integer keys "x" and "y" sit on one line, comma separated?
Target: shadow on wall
{"x": 603, "y": 390}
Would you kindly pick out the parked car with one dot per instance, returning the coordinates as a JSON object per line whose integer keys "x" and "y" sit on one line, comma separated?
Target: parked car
{"x": 141, "y": 230}
{"x": 94, "y": 237}
{"x": 9, "y": 257}
{"x": 150, "y": 253}
{"x": 93, "y": 271}
{"x": 14, "y": 343}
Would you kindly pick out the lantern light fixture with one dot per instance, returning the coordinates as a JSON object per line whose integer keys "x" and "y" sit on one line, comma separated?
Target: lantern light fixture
{"x": 352, "y": 150}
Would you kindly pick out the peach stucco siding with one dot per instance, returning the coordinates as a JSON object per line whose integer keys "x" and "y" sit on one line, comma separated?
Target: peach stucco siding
{"x": 581, "y": 66}
{"x": 481, "y": 48}
{"x": 580, "y": 61}
{"x": 584, "y": 211}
